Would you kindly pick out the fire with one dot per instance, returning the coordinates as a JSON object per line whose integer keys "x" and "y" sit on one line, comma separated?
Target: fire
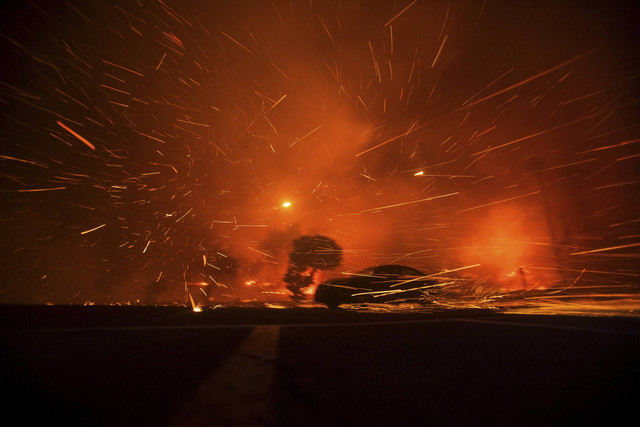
{"x": 196, "y": 308}
{"x": 509, "y": 243}
{"x": 311, "y": 290}
{"x": 195, "y": 147}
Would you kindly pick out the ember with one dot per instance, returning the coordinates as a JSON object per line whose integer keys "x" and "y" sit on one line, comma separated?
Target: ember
{"x": 151, "y": 146}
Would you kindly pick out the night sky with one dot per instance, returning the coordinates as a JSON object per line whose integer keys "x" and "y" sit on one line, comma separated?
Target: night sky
{"x": 147, "y": 145}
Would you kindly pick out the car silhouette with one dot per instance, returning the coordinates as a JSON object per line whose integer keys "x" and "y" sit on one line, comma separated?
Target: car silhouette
{"x": 382, "y": 283}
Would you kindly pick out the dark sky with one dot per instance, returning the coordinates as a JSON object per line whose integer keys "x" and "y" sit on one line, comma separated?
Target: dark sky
{"x": 155, "y": 142}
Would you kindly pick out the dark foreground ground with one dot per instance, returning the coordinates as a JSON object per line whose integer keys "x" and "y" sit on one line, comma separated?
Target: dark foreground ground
{"x": 161, "y": 366}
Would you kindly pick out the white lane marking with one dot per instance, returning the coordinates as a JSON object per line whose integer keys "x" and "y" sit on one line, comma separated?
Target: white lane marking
{"x": 238, "y": 392}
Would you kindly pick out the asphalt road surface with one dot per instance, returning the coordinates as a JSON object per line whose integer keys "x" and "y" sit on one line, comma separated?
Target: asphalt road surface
{"x": 117, "y": 366}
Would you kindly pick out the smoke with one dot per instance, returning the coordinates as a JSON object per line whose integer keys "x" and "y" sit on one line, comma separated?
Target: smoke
{"x": 500, "y": 136}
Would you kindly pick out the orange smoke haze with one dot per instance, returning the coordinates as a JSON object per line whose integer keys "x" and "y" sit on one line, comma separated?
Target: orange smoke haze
{"x": 453, "y": 134}
{"x": 508, "y": 243}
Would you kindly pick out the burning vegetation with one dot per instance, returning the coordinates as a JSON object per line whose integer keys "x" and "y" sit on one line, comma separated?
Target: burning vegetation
{"x": 166, "y": 151}
{"x": 310, "y": 254}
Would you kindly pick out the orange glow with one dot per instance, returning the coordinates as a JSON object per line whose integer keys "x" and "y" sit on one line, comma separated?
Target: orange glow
{"x": 198, "y": 284}
{"x": 196, "y": 308}
{"x": 508, "y": 243}
{"x": 186, "y": 163}
{"x": 311, "y": 290}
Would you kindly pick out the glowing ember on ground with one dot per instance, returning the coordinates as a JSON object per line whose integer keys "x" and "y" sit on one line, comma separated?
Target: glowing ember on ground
{"x": 149, "y": 147}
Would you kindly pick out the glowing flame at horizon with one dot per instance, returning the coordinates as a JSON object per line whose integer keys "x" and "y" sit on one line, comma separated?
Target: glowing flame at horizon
{"x": 193, "y": 144}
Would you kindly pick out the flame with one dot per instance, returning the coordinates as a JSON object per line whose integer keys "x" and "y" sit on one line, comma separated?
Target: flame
{"x": 311, "y": 119}
{"x": 510, "y": 244}
{"x": 196, "y": 308}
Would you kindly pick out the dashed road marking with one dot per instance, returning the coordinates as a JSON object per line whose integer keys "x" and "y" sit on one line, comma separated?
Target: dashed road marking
{"x": 238, "y": 392}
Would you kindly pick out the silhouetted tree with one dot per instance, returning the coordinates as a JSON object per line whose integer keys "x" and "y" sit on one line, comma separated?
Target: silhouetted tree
{"x": 310, "y": 253}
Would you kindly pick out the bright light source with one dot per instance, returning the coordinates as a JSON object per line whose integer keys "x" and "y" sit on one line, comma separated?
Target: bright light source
{"x": 418, "y": 173}
{"x": 286, "y": 204}
{"x": 196, "y": 308}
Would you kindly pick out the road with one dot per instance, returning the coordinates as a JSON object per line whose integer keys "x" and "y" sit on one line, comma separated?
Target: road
{"x": 170, "y": 366}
